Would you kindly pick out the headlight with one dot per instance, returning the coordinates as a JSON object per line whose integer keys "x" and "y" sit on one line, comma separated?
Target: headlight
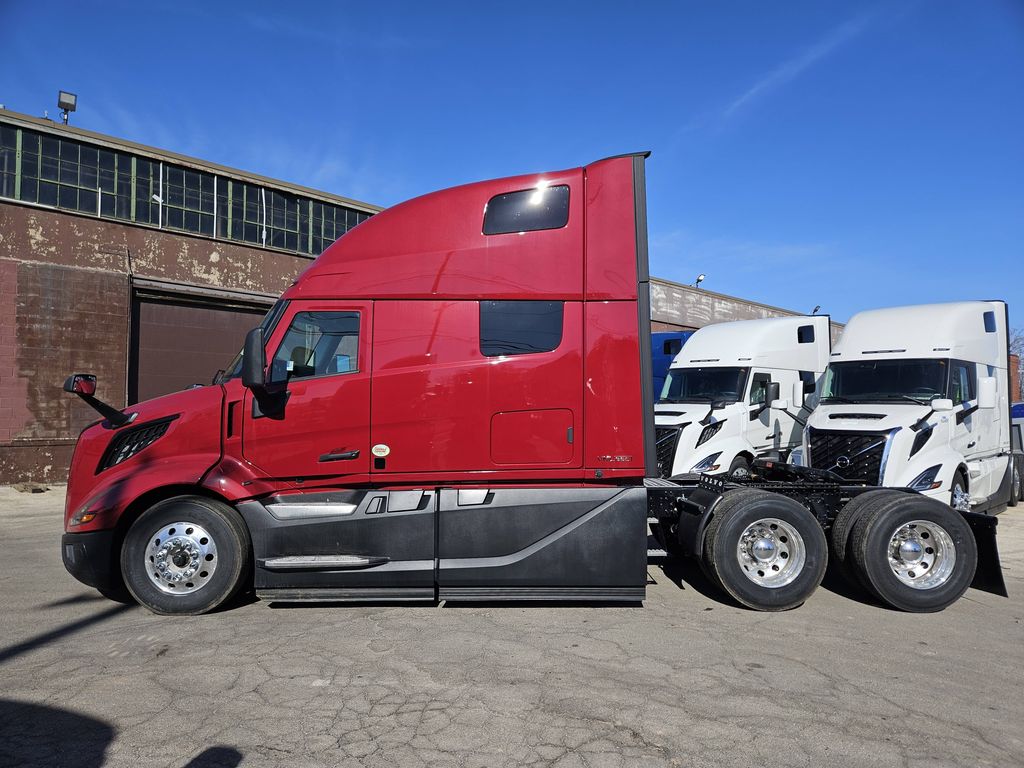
{"x": 920, "y": 439}
{"x": 708, "y": 464}
{"x": 926, "y": 480}
{"x": 710, "y": 431}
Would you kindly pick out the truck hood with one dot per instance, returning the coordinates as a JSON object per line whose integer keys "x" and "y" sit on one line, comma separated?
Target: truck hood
{"x": 866, "y": 417}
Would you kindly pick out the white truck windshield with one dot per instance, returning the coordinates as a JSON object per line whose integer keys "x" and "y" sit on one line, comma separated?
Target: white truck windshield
{"x": 884, "y": 380}
{"x": 704, "y": 385}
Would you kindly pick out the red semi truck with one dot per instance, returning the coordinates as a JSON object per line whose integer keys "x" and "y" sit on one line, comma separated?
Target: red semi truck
{"x": 453, "y": 402}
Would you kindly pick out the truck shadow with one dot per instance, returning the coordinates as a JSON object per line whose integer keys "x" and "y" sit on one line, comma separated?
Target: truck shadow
{"x": 686, "y": 571}
{"x": 45, "y": 638}
{"x": 38, "y": 736}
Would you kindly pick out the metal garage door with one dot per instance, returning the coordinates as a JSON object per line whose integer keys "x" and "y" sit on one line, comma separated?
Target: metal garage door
{"x": 179, "y": 342}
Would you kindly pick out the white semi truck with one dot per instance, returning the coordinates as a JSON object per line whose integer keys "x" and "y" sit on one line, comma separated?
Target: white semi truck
{"x": 715, "y": 412}
{"x": 918, "y": 397}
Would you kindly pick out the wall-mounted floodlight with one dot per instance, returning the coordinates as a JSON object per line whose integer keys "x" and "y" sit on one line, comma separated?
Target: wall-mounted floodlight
{"x": 66, "y": 103}
{"x": 700, "y": 279}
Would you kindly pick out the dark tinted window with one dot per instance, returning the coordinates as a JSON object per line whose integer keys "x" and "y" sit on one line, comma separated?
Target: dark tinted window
{"x": 990, "y": 322}
{"x": 519, "y": 327}
{"x": 805, "y": 334}
{"x": 527, "y": 210}
{"x": 672, "y": 346}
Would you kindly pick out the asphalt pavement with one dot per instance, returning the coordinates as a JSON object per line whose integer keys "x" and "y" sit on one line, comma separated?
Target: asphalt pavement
{"x": 687, "y": 679}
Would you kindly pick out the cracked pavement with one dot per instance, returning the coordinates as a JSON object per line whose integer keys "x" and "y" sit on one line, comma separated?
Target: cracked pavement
{"x": 686, "y": 680}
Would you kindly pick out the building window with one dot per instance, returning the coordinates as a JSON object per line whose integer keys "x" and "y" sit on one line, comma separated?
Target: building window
{"x": 519, "y": 327}
{"x": 527, "y": 211}
{"x": 63, "y": 173}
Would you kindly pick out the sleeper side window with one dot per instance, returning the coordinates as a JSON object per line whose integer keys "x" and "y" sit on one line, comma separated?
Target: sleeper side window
{"x": 318, "y": 344}
{"x": 759, "y": 388}
{"x": 528, "y": 210}
{"x": 519, "y": 327}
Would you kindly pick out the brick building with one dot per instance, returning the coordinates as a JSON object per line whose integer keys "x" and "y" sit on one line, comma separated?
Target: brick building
{"x": 147, "y": 267}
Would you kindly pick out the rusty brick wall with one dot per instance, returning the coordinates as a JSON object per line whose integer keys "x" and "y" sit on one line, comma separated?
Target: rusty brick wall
{"x": 65, "y": 306}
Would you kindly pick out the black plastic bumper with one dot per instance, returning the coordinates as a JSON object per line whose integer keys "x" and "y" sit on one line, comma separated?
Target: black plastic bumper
{"x": 89, "y": 557}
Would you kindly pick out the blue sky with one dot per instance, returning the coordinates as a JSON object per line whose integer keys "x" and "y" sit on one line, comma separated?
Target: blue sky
{"x": 851, "y": 155}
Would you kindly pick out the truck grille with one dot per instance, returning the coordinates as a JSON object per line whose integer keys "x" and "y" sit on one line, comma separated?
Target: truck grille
{"x": 130, "y": 442}
{"x": 854, "y": 456}
{"x": 665, "y": 440}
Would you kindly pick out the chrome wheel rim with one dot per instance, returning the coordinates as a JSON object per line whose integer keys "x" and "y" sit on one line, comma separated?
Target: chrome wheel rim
{"x": 961, "y": 499}
{"x": 181, "y": 558}
{"x": 921, "y": 554}
{"x": 771, "y": 553}
{"x": 1016, "y": 483}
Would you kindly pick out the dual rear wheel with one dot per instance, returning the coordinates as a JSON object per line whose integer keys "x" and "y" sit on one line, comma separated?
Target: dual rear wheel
{"x": 769, "y": 552}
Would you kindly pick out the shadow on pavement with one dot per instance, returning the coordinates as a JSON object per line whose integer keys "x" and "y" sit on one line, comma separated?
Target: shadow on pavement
{"x": 216, "y": 757}
{"x": 33, "y": 735}
{"x": 37, "y": 736}
{"x": 8, "y": 653}
{"x": 83, "y": 597}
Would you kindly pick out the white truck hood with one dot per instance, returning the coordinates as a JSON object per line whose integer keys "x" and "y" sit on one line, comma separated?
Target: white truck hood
{"x": 866, "y": 417}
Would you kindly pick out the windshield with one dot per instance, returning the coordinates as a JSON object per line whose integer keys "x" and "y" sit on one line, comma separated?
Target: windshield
{"x": 884, "y": 380}
{"x": 234, "y": 369}
{"x": 702, "y": 385}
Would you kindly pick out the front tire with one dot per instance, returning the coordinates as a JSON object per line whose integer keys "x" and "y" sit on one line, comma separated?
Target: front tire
{"x": 765, "y": 550}
{"x": 1015, "y": 489}
{"x": 919, "y": 556}
{"x": 186, "y": 555}
{"x": 959, "y": 497}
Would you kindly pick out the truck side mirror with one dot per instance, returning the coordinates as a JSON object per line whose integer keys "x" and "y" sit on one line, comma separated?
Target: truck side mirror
{"x": 987, "y": 392}
{"x": 254, "y": 361}
{"x": 771, "y": 392}
{"x": 80, "y": 384}
{"x": 779, "y": 405}
{"x": 941, "y": 405}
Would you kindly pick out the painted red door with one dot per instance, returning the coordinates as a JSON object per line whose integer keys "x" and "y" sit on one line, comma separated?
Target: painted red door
{"x": 321, "y": 352}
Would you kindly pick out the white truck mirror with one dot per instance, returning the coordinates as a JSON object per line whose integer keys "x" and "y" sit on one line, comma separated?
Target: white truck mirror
{"x": 779, "y": 405}
{"x": 987, "y": 392}
{"x": 941, "y": 404}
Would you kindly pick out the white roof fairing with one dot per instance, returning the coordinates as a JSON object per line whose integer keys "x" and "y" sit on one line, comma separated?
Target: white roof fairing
{"x": 953, "y": 330}
{"x": 768, "y": 343}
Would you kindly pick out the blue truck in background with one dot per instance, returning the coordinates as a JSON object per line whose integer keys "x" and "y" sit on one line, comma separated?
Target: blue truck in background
{"x": 664, "y": 348}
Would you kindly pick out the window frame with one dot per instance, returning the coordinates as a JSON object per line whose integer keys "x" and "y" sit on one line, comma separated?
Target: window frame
{"x": 290, "y": 378}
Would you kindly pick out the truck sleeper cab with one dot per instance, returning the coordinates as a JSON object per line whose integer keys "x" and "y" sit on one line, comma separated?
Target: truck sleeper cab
{"x": 918, "y": 397}
{"x": 449, "y": 401}
{"x": 718, "y": 409}
{"x": 453, "y": 402}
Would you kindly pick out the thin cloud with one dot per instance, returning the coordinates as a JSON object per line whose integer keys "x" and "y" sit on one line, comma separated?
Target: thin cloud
{"x": 797, "y": 65}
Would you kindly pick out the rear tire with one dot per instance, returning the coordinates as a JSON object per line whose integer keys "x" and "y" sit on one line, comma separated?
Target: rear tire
{"x": 765, "y": 550}
{"x": 918, "y": 556}
{"x": 186, "y": 555}
{"x": 848, "y": 517}
{"x": 1015, "y": 489}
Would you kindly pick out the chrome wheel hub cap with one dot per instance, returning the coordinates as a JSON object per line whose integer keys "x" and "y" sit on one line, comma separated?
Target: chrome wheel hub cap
{"x": 180, "y": 558}
{"x": 771, "y": 553}
{"x": 921, "y": 554}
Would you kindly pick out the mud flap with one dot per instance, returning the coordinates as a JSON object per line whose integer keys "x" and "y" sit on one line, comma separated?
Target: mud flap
{"x": 989, "y": 575}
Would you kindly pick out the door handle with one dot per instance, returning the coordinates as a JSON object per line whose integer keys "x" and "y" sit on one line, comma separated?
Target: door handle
{"x": 343, "y": 456}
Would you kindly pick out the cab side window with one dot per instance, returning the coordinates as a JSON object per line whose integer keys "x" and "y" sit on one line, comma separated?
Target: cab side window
{"x": 759, "y": 388}
{"x": 318, "y": 344}
{"x": 962, "y": 378}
